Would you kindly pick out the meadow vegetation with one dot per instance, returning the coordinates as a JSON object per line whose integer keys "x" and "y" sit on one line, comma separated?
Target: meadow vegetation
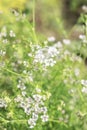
{"x": 43, "y": 66}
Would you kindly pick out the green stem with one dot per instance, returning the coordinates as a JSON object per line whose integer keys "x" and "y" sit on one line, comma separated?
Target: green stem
{"x": 12, "y": 121}
{"x": 17, "y": 74}
{"x": 25, "y": 121}
{"x": 81, "y": 96}
{"x": 34, "y": 26}
{"x": 34, "y": 14}
{"x": 57, "y": 121}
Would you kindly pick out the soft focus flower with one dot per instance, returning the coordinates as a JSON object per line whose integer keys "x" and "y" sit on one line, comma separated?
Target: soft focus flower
{"x": 12, "y": 34}
{"x": 51, "y": 39}
{"x": 2, "y": 103}
{"x": 77, "y": 71}
{"x": 66, "y": 41}
{"x": 84, "y": 8}
{"x": 84, "y": 82}
{"x": 84, "y": 90}
{"x": 44, "y": 118}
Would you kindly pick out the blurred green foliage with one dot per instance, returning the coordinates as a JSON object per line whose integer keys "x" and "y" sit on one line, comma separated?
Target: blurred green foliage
{"x": 51, "y": 17}
{"x": 5, "y": 5}
{"x": 76, "y": 4}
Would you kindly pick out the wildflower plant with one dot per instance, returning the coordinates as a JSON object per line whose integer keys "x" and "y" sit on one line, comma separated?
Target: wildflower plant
{"x": 42, "y": 85}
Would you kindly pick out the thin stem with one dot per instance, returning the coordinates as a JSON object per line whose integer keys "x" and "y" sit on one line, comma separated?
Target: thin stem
{"x": 25, "y": 121}
{"x": 81, "y": 96}
{"x": 13, "y": 121}
{"x": 57, "y": 121}
{"x": 17, "y": 74}
{"x": 34, "y": 26}
{"x": 34, "y": 14}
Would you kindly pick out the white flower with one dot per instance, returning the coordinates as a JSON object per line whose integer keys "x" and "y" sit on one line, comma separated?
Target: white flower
{"x": 44, "y": 109}
{"x": 18, "y": 99}
{"x": 38, "y": 90}
{"x": 82, "y": 37}
{"x": 25, "y": 63}
{"x": 84, "y": 90}
{"x": 3, "y": 34}
{"x": 30, "y": 54}
{"x": 66, "y": 41}
{"x": 22, "y": 104}
{"x": 84, "y": 8}
{"x": 5, "y": 41}
{"x": 34, "y": 116}
{"x": 21, "y": 86}
{"x": 51, "y": 39}
{"x": 28, "y": 110}
{"x": 25, "y": 71}
{"x": 84, "y": 82}
{"x": 77, "y": 72}
{"x": 44, "y": 118}
{"x": 23, "y": 93}
{"x": 52, "y": 51}
{"x": 58, "y": 44}
{"x": 29, "y": 100}
{"x": 37, "y": 108}
{"x": 2, "y": 103}
{"x": 2, "y": 53}
{"x": 37, "y": 97}
{"x": 31, "y": 122}
{"x": 12, "y": 34}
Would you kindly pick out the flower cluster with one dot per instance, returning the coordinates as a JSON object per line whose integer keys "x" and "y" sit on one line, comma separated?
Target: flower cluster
{"x": 83, "y": 38}
{"x": 33, "y": 106}
{"x": 84, "y": 83}
{"x": 4, "y": 34}
{"x": 2, "y": 53}
{"x": 3, "y": 103}
{"x": 47, "y": 56}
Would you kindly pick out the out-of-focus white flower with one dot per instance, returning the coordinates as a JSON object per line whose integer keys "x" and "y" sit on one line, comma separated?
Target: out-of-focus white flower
{"x": 84, "y": 82}
{"x": 84, "y": 8}
{"x": 51, "y": 39}
{"x": 52, "y": 51}
{"x": 5, "y": 41}
{"x": 26, "y": 63}
{"x": 30, "y": 54}
{"x": 58, "y": 44}
{"x": 38, "y": 90}
{"x": 66, "y": 41}
{"x": 84, "y": 90}
{"x": 12, "y": 34}
{"x": 44, "y": 118}
{"x": 2, "y": 103}
{"x": 31, "y": 122}
{"x": 34, "y": 116}
{"x": 77, "y": 71}
{"x": 23, "y": 93}
{"x": 82, "y": 36}
{"x": 37, "y": 97}
{"x": 2, "y": 53}
{"x": 44, "y": 109}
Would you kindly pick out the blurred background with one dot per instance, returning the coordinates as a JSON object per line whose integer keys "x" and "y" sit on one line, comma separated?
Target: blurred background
{"x": 53, "y": 18}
